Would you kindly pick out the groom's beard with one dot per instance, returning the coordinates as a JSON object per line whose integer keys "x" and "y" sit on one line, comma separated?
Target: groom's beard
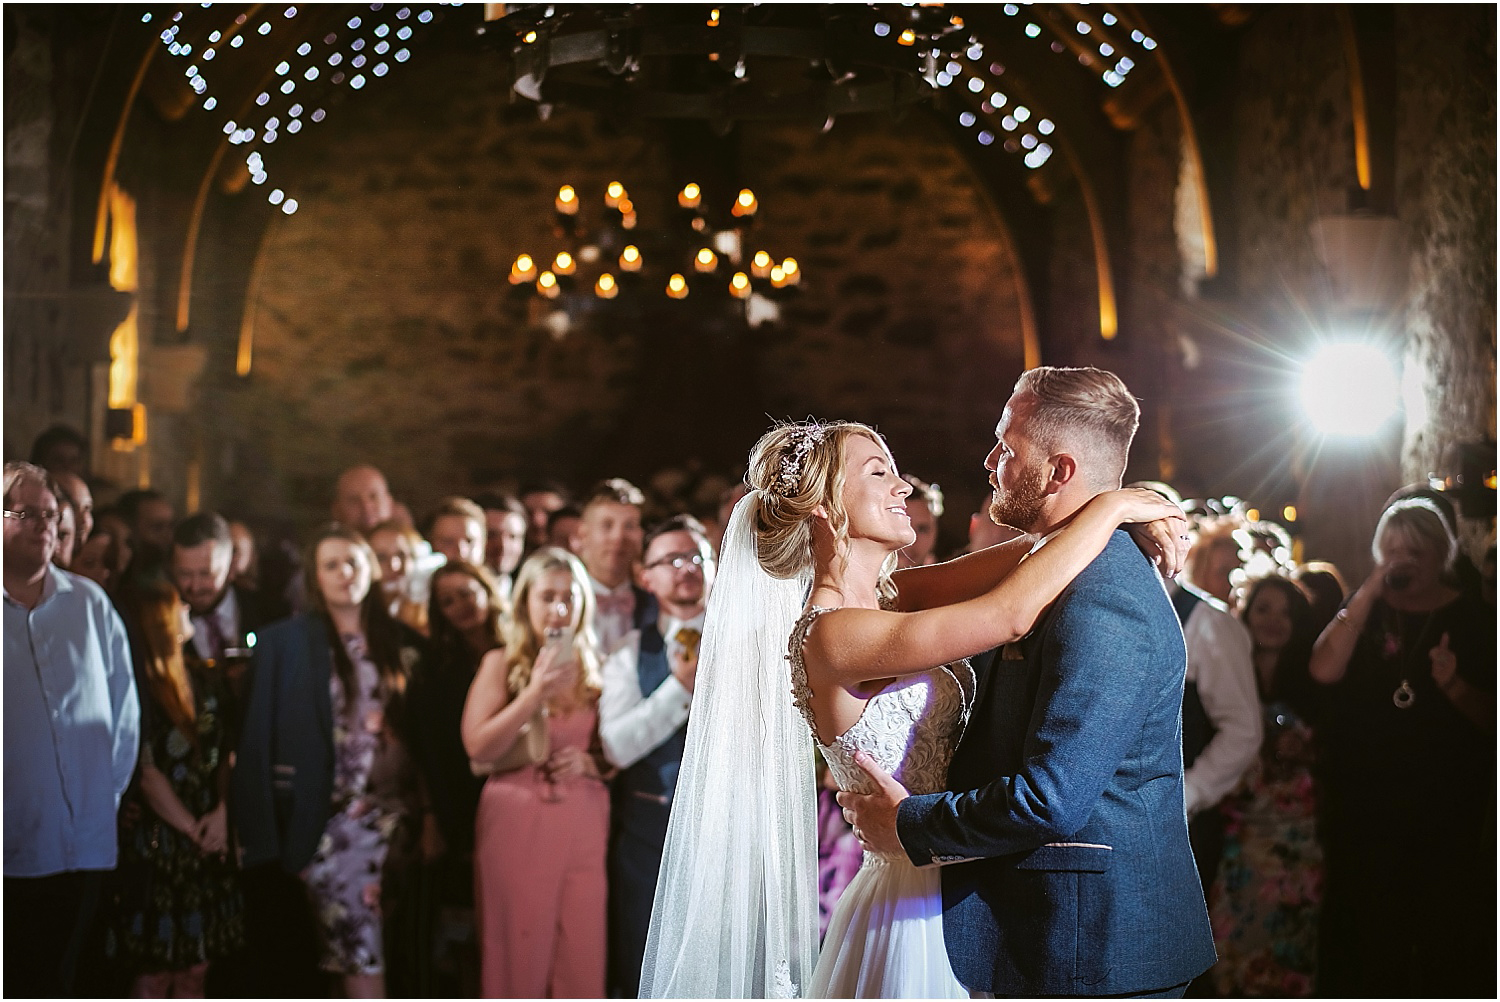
{"x": 1022, "y": 506}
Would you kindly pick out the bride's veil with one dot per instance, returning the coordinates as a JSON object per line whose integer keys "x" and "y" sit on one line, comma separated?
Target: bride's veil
{"x": 736, "y": 903}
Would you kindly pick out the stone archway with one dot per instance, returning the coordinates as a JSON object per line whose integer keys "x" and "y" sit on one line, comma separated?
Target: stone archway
{"x": 385, "y": 329}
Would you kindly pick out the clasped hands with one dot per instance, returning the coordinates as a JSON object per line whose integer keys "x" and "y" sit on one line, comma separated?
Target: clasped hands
{"x": 211, "y": 832}
{"x": 873, "y": 815}
{"x": 568, "y": 762}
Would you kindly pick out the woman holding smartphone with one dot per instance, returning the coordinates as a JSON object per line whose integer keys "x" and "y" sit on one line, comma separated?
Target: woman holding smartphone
{"x": 1407, "y": 769}
{"x": 543, "y": 823}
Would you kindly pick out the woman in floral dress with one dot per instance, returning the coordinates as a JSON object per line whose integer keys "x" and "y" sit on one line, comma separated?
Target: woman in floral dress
{"x": 324, "y": 783}
{"x": 176, "y": 898}
{"x": 1264, "y": 903}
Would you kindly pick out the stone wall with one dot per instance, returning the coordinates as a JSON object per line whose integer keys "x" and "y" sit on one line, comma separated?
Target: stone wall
{"x": 1214, "y": 371}
{"x": 1446, "y": 197}
{"x": 40, "y": 384}
{"x": 387, "y": 331}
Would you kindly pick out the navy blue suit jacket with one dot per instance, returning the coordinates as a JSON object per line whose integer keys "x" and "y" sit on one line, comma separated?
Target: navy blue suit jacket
{"x": 1074, "y": 873}
{"x": 283, "y": 773}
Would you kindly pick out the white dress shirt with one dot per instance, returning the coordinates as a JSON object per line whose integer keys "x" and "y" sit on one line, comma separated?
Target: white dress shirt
{"x": 72, "y": 728}
{"x": 227, "y": 616}
{"x": 1219, "y": 662}
{"x": 610, "y": 622}
{"x": 631, "y": 723}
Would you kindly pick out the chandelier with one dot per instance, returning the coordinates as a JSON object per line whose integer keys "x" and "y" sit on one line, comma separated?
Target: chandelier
{"x": 723, "y": 64}
{"x": 705, "y": 255}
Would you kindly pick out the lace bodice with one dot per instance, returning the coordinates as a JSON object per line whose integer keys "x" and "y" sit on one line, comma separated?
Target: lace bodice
{"x": 909, "y": 728}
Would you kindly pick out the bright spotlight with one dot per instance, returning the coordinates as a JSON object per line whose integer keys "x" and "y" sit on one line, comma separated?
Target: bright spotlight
{"x": 1350, "y": 390}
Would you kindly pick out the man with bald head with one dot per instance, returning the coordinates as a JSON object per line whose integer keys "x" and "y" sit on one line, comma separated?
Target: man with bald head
{"x": 362, "y": 500}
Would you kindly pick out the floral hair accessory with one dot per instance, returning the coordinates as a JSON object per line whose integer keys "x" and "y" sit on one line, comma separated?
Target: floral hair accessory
{"x": 804, "y": 439}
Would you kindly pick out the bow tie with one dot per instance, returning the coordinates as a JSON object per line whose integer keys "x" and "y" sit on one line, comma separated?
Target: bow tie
{"x": 688, "y": 638}
{"x": 620, "y": 603}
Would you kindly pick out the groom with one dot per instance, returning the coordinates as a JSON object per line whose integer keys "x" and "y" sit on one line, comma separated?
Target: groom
{"x": 1067, "y": 802}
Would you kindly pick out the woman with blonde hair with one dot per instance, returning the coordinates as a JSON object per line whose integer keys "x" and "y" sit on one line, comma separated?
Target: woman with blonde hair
{"x": 813, "y": 545}
{"x": 177, "y": 904}
{"x": 531, "y": 722}
{"x": 1406, "y": 760}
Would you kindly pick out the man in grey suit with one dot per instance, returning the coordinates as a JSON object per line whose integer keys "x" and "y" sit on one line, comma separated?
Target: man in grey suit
{"x": 1066, "y": 803}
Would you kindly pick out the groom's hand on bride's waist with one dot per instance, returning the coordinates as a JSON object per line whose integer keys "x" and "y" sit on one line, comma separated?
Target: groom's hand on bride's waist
{"x": 873, "y": 815}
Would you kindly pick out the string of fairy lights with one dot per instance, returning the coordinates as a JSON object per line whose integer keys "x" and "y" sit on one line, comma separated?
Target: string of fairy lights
{"x": 377, "y": 39}
{"x": 366, "y": 47}
{"x": 1099, "y": 44}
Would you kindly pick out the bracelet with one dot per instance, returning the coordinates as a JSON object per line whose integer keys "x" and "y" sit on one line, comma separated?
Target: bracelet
{"x": 1342, "y": 618}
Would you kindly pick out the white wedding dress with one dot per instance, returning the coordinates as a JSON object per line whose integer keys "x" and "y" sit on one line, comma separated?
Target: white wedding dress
{"x": 885, "y": 939}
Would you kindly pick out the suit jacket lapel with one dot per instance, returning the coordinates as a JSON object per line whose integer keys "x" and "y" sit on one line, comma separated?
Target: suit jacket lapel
{"x": 320, "y": 671}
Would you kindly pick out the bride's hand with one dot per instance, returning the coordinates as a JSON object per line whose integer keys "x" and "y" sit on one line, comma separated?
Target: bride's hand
{"x": 1140, "y": 504}
{"x": 1165, "y": 543}
{"x": 1156, "y": 524}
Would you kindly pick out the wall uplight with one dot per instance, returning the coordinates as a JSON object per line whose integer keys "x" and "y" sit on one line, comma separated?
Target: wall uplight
{"x": 1350, "y": 390}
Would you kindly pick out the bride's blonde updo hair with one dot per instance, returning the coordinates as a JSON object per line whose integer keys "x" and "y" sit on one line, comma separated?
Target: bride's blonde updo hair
{"x": 794, "y": 468}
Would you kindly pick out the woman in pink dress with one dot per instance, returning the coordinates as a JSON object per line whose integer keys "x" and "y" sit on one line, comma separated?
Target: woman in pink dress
{"x": 543, "y": 826}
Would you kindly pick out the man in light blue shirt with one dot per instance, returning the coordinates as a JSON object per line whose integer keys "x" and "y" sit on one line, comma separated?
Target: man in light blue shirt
{"x": 72, "y": 732}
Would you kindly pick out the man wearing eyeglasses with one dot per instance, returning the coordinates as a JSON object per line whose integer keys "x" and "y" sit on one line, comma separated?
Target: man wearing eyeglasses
{"x": 643, "y": 712}
{"x": 72, "y": 729}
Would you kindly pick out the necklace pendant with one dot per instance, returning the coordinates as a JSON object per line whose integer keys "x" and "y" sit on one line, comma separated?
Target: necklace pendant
{"x": 1404, "y": 695}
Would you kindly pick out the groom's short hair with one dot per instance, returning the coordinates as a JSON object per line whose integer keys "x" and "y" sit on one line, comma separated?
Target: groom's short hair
{"x": 1083, "y": 410}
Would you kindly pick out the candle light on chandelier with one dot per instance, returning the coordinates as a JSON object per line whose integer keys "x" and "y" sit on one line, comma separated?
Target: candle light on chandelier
{"x": 745, "y": 204}
{"x": 523, "y": 270}
{"x": 580, "y": 267}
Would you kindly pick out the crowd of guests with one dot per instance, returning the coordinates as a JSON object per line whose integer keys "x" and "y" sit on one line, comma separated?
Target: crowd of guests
{"x": 1335, "y": 744}
{"x": 439, "y": 758}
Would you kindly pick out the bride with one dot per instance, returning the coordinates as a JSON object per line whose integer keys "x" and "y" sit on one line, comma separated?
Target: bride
{"x": 810, "y": 639}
